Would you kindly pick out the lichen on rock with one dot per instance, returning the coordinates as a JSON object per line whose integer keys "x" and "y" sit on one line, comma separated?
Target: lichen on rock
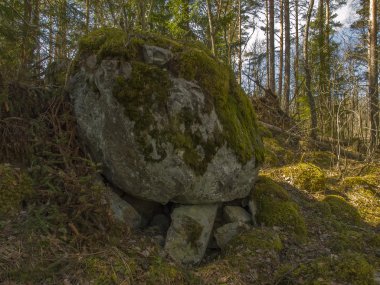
{"x": 146, "y": 103}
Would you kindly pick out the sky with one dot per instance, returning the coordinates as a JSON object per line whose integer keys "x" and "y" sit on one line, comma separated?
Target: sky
{"x": 346, "y": 14}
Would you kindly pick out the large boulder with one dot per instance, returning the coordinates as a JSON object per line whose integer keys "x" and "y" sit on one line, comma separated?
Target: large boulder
{"x": 166, "y": 120}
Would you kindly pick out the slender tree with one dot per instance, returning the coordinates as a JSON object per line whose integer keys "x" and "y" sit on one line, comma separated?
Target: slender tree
{"x": 373, "y": 91}
{"x": 313, "y": 113}
{"x": 287, "y": 57}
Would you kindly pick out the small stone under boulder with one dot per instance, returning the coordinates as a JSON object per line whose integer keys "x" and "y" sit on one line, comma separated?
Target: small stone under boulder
{"x": 189, "y": 232}
{"x": 123, "y": 211}
{"x": 234, "y": 214}
{"x": 227, "y": 232}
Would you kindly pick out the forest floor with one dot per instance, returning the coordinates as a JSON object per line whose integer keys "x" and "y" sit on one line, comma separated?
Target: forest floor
{"x": 323, "y": 226}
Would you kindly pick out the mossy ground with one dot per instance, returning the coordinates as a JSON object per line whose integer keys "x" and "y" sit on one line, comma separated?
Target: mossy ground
{"x": 147, "y": 91}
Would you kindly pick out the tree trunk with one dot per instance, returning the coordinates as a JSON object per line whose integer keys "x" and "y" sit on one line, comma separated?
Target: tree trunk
{"x": 240, "y": 62}
{"x": 211, "y": 27}
{"x": 287, "y": 57}
{"x": 373, "y": 92}
{"x": 25, "y": 44}
{"x": 296, "y": 57}
{"x": 267, "y": 42}
{"x": 281, "y": 53}
{"x": 313, "y": 115}
{"x": 272, "y": 73}
{"x": 87, "y": 15}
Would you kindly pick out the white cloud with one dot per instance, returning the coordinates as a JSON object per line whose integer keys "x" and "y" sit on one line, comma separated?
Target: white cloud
{"x": 347, "y": 14}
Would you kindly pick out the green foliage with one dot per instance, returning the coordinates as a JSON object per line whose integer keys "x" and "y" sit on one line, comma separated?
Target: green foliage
{"x": 148, "y": 90}
{"x": 274, "y": 207}
{"x": 305, "y": 176}
{"x": 342, "y": 210}
{"x": 15, "y": 187}
{"x": 350, "y": 268}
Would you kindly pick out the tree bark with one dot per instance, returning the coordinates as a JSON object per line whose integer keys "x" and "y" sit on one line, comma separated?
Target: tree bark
{"x": 211, "y": 27}
{"x": 272, "y": 73}
{"x": 87, "y": 15}
{"x": 240, "y": 63}
{"x": 373, "y": 92}
{"x": 296, "y": 57}
{"x": 281, "y": 52}
{"x": 313, "y": 114}
{"x": 287, "y": 57}
{"x": 267, "y": 42}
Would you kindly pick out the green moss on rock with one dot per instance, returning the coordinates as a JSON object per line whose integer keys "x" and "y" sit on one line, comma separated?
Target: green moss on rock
{"x": 349, "y": 268}
{"x": 342, "y": 210}
{"x": 253, "y": 240}
{"x": 366, "y": 181}
{"x": 148, "y": 90}
{"x": 305, "y": 176}
{"x": 274, "y": 207}
{"x": 15, "y": 187}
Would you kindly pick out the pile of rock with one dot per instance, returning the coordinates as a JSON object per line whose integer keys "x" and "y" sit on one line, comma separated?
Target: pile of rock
{"x": 190, "y": 229}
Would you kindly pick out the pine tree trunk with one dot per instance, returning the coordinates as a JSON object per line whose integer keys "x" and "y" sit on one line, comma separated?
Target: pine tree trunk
{"x": 211, "y": 27}
{"x": 313, "y": 114}
{"x": 272, "y": 73}
{"x": 287, "y": 57}
{"x": 296, "y": 57}
{"x": 240, "y": 63}
{"x": 373, "y": 92}
{"x": 281, "y": 53}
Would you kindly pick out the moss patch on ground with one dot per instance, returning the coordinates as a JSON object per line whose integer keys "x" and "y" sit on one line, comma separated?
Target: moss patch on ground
{"x": 148, "y": 90}
{"x": 305, "y": 176}
{"x": 274, "y": 207}
{"x": 342, "y": 210}
{"x": 15, "y": 187}
{"x": 275, "y": 153}
{"x": 349, "y": 268}
{"x": 322, "y": 159}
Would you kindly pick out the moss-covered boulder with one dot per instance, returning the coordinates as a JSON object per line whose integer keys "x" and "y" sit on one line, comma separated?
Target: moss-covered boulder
{"x": 274, "y": 208}
{"x": 305, "y": 176}
{"x": 165, "y": 118}
{"x": 343, "y": 210}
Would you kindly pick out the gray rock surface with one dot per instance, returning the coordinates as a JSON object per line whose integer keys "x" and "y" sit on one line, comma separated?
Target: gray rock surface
{"x": 160, "y": 176}
{"x": 189, "y": 233}
{"x": 253, "y": 209}
{"x": 123, "y": 211}
{"x": 156, "y": 55}
{"x": 227, "y": 232}
{"x": 236, "y": 214}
